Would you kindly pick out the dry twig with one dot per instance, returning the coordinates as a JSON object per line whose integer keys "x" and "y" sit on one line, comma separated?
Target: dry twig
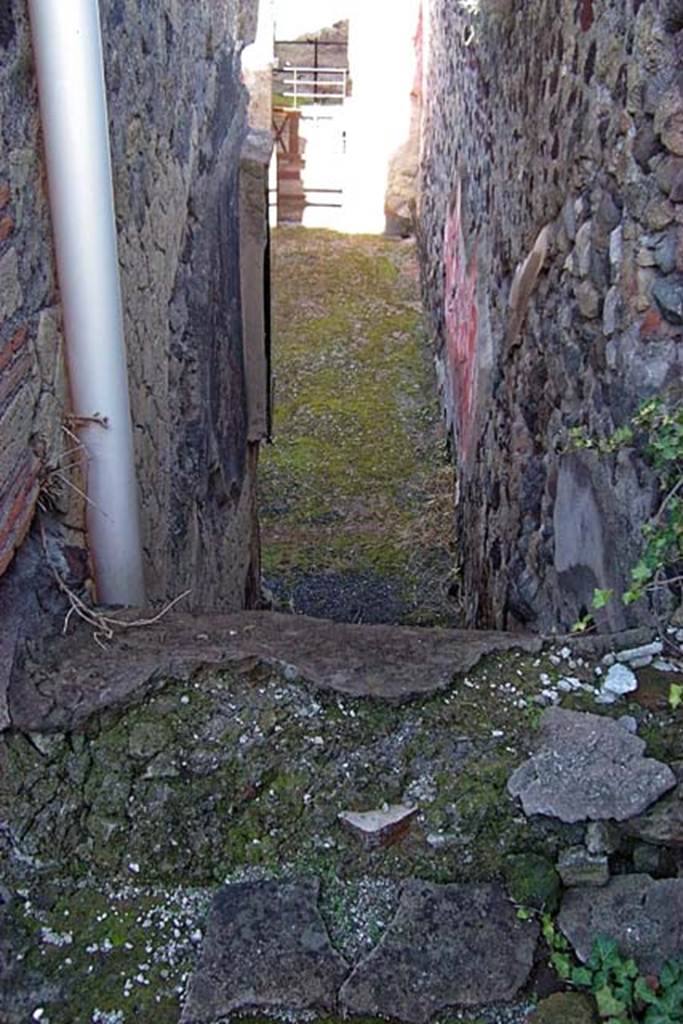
{"x": 104, "y": 626}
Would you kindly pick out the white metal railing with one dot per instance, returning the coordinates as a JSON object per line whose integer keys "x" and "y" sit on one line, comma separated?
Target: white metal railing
{"x": 317, "y": 85}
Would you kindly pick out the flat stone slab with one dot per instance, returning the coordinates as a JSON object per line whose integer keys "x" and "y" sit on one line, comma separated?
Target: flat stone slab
{"x": 448, "y": 946}
{"x": 588, "y": 767}
{"x": 643, "y": 915}
{"x": 266, "y": 947}
{"x": 385, "y": 662}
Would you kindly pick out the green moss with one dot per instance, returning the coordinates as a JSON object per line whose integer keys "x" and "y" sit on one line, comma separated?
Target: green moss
{"x": 113, "y": 952}
{"x": 356, "y": 461}
{"x": 533, "y": 881}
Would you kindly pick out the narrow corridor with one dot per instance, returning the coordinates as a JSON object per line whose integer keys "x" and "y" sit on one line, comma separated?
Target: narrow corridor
{"x": 356, "y": 491}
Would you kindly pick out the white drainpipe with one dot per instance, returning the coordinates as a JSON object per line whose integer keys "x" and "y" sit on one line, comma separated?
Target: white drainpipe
{"x": 68, "y": 54}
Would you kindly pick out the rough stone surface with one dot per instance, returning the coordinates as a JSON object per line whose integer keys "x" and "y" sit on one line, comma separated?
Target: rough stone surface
{"x": 550, "y": 116}
{"x": 668, "y": 293}
{"x": 265, "y": 947}
{"x": 77, "y": 678}
{"x": 602, "y": 837}
{"x": 565, "y": 1008}
{"x": 661, "y": 824}
{"x": 643, "y": 915}
{"x": 448, "y": 945}
{"x": 578, "y": 866}
{"x": 588, "y": 767}
{"x": 177, "y": 119}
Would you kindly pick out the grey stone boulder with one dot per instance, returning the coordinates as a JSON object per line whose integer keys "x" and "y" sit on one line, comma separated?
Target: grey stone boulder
{"x": 588, "y": 767}
{"x": 661, "y": 824}
{"x": 448, "y": 945}
{"x": 644, "y": 916}
{"x": 265, "y": 948}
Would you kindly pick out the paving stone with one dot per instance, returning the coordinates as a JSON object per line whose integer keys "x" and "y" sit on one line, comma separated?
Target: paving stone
{"x": 266, "y": 947}
{"x": 449, "y": 945}
{"x": 588, "y": 767}
{"x": 643, "y": 915}
{"x": 394, "y": 663}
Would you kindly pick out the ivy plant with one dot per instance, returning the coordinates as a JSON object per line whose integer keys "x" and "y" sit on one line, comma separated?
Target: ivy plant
{"x": 622, "y": 994}
{"x": 657, "y": 431}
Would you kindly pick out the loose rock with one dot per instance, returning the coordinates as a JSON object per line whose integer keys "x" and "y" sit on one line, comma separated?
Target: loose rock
{"x": 588, "y": 767}
{"x": 661, "y": 824}
{"x": 619, "y": 680}
{"x": 379, "y": 828}
{"x": 644, "y": 651}
{"x": 577, "y": 866}
{"x": 449, "y": 945}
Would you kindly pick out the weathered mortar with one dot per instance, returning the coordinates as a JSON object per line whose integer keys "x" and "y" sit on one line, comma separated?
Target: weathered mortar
{"x": 552, "y": 178}
{"x": 177, "y": 122}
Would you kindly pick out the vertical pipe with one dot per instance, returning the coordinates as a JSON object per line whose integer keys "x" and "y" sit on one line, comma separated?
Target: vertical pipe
{"x": 68, "y": 54}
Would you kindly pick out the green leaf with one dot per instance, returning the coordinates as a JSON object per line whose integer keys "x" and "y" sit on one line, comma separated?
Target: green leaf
{"x": 602, "y": 597}
{"x": 607, "y": 951}
{"x": 675, "y": 699}
{"x": 562, "y": 964}
{"x": 641, "y": 572}
{"x": 523, "y": 913}
{"x": 608, "y": 1005}
{"x": 672, "y": 971}
{"x": 644, "y": 992}
{"x": 582, "y": 976}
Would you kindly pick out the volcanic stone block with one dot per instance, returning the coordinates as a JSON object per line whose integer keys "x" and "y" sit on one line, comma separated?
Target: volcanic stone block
{"x": 661, "y": 824}
{"x": 266, "y": 948}
{"x": 588, "y": 767}
{"x": 449, "y": 945}
{"x": 643, "y": 915}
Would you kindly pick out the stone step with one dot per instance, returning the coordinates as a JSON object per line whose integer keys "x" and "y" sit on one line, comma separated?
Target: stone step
{"x": 392, "y": 663}
{"x": 449, "y": 946}
{"x": 266, "y": 949}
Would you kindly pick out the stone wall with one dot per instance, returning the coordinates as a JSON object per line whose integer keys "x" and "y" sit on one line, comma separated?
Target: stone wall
{"x": 177, "y": 122}
{"x": 552, "y": 244}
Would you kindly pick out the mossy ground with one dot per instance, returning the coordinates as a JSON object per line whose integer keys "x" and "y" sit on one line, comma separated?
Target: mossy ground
{"x": 357, "y": 479}
{"x": 117, "y": 837}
